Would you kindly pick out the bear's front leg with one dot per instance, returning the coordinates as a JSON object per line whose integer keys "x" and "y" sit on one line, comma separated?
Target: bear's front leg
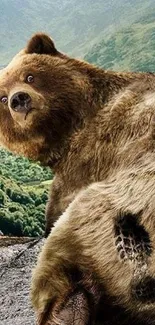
{"x": 49, "y": 278}
{"x": 58, "y": 284}
{"x": 64, "y": 263}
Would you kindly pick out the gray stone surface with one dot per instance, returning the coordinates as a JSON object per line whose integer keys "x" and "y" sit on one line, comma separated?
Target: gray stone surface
{"x": 16, "y": 262}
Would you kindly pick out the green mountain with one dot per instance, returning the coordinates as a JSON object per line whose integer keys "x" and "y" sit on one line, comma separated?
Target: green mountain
{"x": 131, "y": 48}
{"x": 75, "y": 25}
{"x": 21, "y": 210}
{"x": 23, "y": 195}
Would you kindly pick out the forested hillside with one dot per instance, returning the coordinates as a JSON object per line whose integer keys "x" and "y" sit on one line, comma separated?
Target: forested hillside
{"x": 21, "y": 169}
{"x": 23, "y": 194}
{"x": 75, "y": 25}
{"x": 130, "y": 48}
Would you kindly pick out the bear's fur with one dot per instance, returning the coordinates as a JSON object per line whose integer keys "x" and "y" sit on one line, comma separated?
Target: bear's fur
{"x": 96, "y": 130}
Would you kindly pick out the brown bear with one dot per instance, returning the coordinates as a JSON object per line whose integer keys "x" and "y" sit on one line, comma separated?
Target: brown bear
{"x": 96, "y": 130}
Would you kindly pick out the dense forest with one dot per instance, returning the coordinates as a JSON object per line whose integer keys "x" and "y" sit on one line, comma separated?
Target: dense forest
{"x": 23, "y": 194}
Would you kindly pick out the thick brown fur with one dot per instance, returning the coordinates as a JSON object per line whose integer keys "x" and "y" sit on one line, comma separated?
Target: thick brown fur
{"x": 96, "y": 130}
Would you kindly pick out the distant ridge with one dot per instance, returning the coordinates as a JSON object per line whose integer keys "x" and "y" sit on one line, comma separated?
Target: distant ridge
{"x": 75, "y": 25}
{"x": 131, "y": 48}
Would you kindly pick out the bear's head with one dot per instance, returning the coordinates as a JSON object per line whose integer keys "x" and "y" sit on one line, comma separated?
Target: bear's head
{"x": 43, "y": 98}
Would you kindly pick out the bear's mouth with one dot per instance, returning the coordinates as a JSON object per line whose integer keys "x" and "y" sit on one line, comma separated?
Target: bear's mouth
{"x": 23, "y": 118}
{"x": 27, "y": 113}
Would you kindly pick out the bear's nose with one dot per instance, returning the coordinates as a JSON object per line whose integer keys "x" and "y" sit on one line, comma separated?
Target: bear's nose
{"x": 20, "y": 102}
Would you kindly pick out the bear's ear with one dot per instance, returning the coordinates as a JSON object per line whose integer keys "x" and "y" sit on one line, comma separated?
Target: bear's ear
{"x": 41, "y": 44}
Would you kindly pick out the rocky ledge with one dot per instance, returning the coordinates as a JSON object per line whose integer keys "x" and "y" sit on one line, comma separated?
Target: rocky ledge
{"x": 17, "y": 258}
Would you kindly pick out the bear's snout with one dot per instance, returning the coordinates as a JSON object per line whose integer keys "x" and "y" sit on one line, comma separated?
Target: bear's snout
{"x": 20, "y": 102}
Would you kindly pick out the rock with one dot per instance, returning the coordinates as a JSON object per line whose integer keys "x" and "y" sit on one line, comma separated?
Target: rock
{"x": 17, "y": 258}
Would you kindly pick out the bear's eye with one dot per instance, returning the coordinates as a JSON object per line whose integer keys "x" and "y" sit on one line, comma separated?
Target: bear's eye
{"x": 4, "y": 99}
{"x": 30, "y": 78}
